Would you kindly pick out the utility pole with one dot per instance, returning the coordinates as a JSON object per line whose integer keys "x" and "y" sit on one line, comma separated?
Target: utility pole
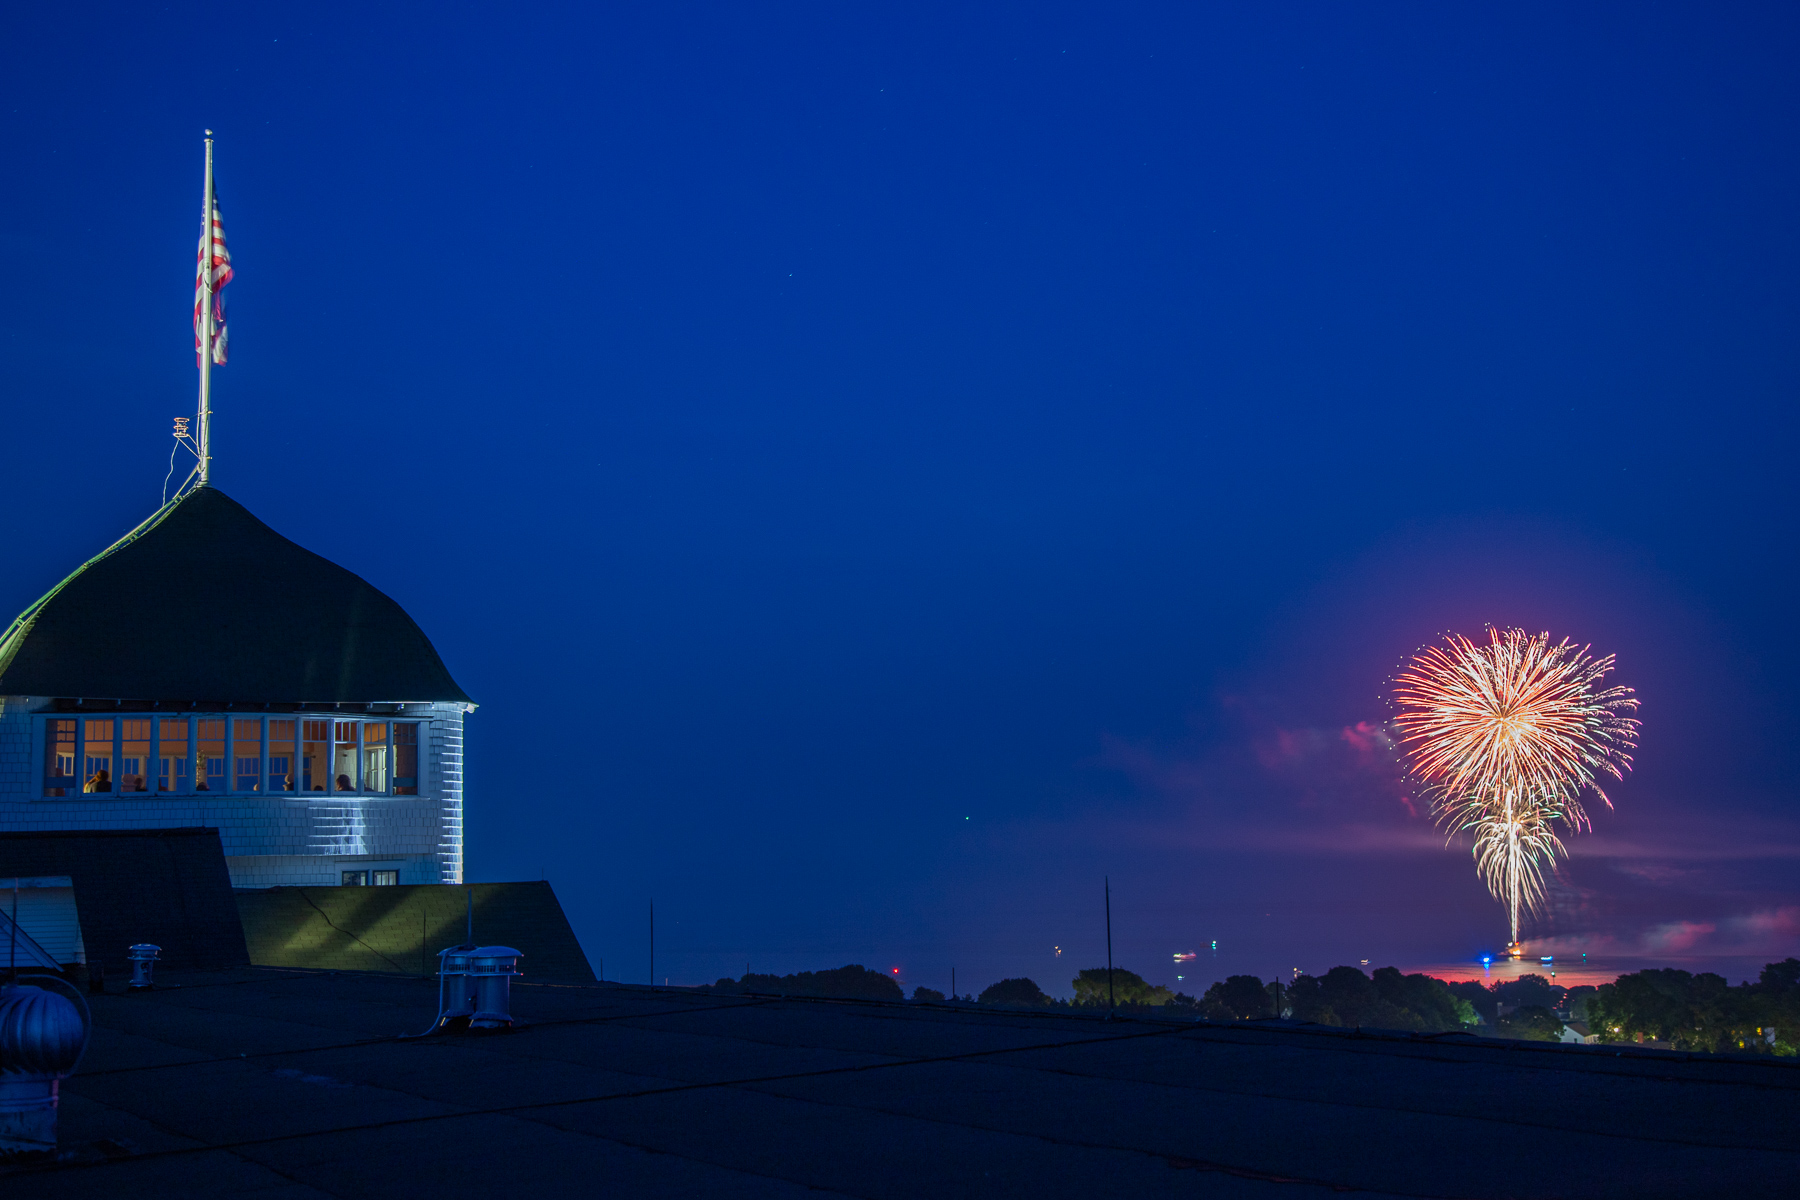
{"x": 1110, "y": 1005}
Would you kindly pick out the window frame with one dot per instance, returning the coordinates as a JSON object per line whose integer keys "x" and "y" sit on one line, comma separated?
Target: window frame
{"x": 72, "y": 785}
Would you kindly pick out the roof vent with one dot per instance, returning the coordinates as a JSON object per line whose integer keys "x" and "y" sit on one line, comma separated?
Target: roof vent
{"x": 456, "y": 996}
{"x": 42, "y": 1037}
{"x": 143, "y": 966}
{"x": 491, "y": 971}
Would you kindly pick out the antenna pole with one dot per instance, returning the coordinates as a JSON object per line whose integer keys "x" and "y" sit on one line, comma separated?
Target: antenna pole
{"x": 206, "y": 318}
{"x": 1110, "y": 1005}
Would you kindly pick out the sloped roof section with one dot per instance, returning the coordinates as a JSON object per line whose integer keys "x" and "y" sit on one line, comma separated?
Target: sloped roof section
{"x": 402, "y": 927}
{"x": 166, "y": 886}
{"x": 205, "y": 602}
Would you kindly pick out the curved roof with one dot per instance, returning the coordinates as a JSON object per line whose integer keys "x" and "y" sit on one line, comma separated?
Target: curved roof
{"x": 205, "y": 602}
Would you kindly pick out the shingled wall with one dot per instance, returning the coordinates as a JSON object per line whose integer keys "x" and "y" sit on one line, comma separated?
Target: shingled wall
{"x": 401, "y": 929}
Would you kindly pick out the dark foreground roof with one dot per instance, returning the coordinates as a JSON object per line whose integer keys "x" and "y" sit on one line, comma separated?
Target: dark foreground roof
{"x": 402, "y": 928}
{"x": 169, "y": 887}
{"x": 206, "y": 603}
{"x": 287, "y": 1084}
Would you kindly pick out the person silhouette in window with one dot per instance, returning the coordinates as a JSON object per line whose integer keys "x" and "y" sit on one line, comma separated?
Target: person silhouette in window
{"x": 344, "y": 783}
{"x": 99, "y": 781}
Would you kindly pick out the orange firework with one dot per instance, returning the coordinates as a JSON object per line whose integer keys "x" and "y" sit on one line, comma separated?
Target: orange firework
{"x": 1505, "y": 737}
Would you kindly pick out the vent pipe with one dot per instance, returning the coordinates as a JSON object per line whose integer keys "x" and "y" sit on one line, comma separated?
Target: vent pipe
{"x": 491, "y": 971}
{"x": 143, "y": 966}
{"x": 456, "y": 996}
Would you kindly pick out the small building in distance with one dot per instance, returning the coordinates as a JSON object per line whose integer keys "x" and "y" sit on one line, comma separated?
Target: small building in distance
{"x": 206, "y": 671}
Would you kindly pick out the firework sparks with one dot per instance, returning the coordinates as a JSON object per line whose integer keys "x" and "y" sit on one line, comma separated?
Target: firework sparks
{"x": 1504, "y": 737}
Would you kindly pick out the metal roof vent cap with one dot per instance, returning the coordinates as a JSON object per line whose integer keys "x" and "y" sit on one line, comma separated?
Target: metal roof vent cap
{"x": 491, "y": 970}
{"x": 42, "y": 1037}
{"x": 143, "y": 965}
{"x": 456, "y": 992}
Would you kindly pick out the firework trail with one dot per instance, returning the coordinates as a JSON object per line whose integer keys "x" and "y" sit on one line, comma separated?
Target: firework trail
{"x": 1504, "y": 737}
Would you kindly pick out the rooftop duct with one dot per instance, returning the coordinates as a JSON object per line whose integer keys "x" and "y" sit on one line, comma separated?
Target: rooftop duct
{"x": 143, "y": 966}
{"x": 475, "y": 987}
{"x": 491, "y": 971}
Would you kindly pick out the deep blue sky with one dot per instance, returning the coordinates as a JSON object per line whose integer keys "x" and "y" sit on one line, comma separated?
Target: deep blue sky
{"x": 882, "y": 469}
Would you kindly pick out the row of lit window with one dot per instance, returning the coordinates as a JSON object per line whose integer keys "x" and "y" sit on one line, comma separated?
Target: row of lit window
{"x": 229, "y": 754}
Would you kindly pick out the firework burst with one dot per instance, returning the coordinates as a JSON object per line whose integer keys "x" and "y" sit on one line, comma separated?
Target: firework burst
{"x": 1504, "y": 737}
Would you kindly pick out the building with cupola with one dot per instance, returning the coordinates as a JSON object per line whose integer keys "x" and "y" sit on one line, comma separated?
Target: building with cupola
{"x": 206, "y": 671}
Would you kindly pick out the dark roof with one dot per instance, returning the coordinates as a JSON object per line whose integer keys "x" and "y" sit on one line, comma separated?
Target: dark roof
{"x": 269, "y": 1083}
{"x": 205, "y": 602}
{"x": 401, "y": 928}
{"x": 169, "y": 887}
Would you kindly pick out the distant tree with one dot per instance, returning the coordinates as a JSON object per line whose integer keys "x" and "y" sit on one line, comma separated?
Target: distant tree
{"x": 1575, "y": 1001}
{"x": 1532, "y": 989}
{"x": 1353, "y": 999}
{"x": 1430, "y": 1005}
{"x": 1128, "y": 988}
{"x": 1533, "y": 1023}
{"x": 1779, "y": 978}
{"x": 1182, "y": 1004}
{"x": 1478, "y": 997}
{"x": 1690, "y": 1012}
{"x": 1243, "y": 997}
{"x": 1014, "y": 993}
{"x": 1390, "y": 1000}
{"x": 853, "y": 982}
{"x": 1772, "y": 1010}
{"x": 925, "y": 995}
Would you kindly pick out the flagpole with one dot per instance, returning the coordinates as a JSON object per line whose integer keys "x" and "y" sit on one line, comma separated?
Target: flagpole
{"x": 206, "y": 319}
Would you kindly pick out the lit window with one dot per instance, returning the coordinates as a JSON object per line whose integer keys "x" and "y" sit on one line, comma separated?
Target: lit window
{"x": 134, "y": 755}
{"x": 315, "y": 755}
{"x": 59, "y": 756}
{"x": 209, "y": 771}
{"x": 172, "y": 767}
{"x": 385, "y": 878}
{"x": 97, "y": 770}
{"x": 375, "y": 757}
{"x": 343, "y": 761}
{"x": 356, "y": 879}
{"x": 230, "y": 754}
{"x": 246, "y": 748}
{"x": 281, "y": 756}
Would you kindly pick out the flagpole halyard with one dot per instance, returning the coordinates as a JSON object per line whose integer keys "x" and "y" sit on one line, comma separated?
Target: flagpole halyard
{"x": 206, "y": 318}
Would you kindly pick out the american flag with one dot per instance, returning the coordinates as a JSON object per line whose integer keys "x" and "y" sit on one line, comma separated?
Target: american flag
{"x": 221, "y": 275}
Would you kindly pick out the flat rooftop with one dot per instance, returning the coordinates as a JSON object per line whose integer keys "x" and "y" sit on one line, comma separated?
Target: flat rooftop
{"x": 294, "y": 1084}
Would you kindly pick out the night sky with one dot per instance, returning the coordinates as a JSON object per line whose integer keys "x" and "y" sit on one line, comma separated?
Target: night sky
{"x": 884, "y": 469}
